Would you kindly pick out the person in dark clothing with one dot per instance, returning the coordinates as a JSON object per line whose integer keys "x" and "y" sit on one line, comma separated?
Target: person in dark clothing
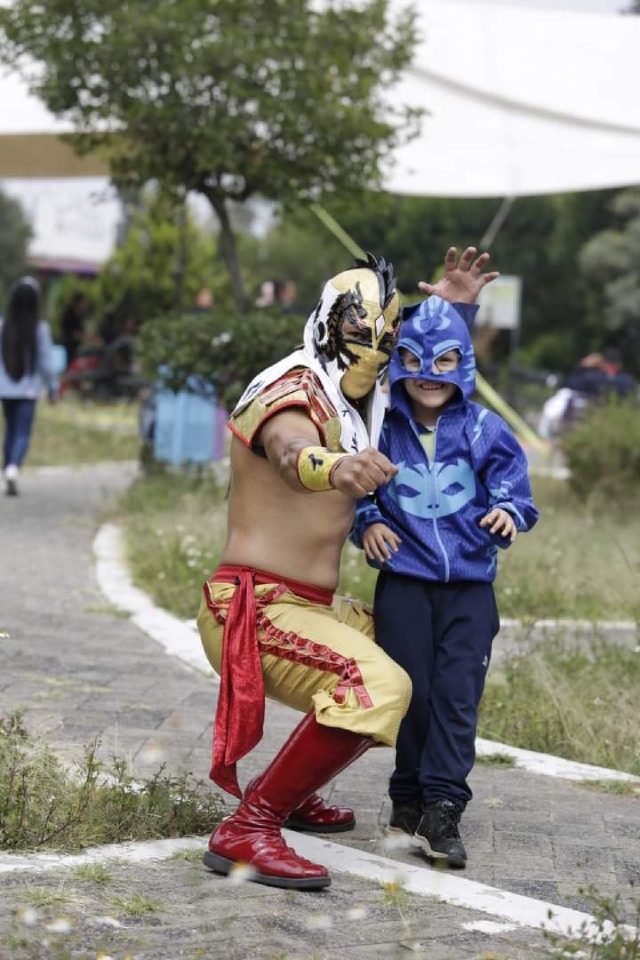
{"x": 461, "y": 491}
{"x": 601, "y": 375}
{"x": 109, "y": 328}
{"x": 285, "y": 293}
{"x": 73, "y": 325}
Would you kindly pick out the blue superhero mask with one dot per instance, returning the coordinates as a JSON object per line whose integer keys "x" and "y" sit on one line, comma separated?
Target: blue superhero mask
{"x": 432, "y": 329}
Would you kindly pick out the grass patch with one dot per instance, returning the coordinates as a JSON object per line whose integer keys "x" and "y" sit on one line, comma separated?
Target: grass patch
{"x": 187, "y": 856}
{"x": 575, "y": 703}
{"x": 93, "y": 873}
{"x": 135, "y": 905}
{"x": 500, "y": 760}
{"x": 619, "y": 788}
{"x": 575, "y": 563}
{"x": 71, "y": 433}
{"x": 48, "y": 898}
{"x": 579, "y": 561}
{"x": 43, "y": 806}
{"x": 175, "y": 531}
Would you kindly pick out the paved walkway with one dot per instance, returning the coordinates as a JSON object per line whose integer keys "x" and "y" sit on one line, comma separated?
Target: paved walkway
{"x": 82, "y": 670}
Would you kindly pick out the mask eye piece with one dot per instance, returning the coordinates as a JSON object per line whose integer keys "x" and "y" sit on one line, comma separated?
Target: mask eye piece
{"x": 410, "y": 361}
{"x": 447, "y": 362}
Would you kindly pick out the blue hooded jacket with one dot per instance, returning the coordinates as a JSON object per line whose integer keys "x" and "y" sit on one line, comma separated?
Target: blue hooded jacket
{"x": 436, "y": 507}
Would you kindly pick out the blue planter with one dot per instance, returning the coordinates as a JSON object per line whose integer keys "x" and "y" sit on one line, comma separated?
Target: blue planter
{"x": 189, "y": 428}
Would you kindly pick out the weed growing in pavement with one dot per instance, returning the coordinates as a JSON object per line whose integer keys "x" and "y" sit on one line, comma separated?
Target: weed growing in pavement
{"x": 501, "y": 760}
{"x": 620, "y": 788}
{"x": 614, "y": 939}
{"x": 578, "y": 703}
{"x": 45, "y": 807}
{"x": 190, "y": 856}
{"x": 93, "y": 873}
{"x": 45, "y": 897}
{"x": 135, "y": 905}
{"x": 394, "y": 893}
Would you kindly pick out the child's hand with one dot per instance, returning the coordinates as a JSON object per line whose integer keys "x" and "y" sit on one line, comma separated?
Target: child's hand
{"x": 500, "y": 521}
{"x": 377, "y": 540}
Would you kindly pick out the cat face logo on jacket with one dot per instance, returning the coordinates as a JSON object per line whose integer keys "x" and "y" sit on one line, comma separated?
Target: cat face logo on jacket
{"x": 430, "y": 495}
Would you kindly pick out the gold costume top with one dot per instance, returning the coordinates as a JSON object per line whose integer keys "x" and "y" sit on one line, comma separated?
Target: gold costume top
{"x": 299, "y": 388}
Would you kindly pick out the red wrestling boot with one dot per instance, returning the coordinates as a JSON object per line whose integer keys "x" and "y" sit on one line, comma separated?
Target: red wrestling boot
{"x": 316, "y": 816}
{"x": 251, "y": 836}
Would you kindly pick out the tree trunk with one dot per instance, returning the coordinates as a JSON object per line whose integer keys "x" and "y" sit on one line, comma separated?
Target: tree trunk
{"x": 229, "y": 250}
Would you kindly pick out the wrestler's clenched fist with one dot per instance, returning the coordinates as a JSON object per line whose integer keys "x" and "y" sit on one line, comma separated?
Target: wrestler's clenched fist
{"x": 362, "y": 473}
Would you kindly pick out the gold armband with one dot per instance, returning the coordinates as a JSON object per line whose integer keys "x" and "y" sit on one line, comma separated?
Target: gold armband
{"x": 315, "y": 466}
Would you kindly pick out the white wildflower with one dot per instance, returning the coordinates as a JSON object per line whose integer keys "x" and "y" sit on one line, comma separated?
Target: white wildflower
{"x": 241, "y": 873}
{"x": 59, "y": 925}
{"x": 356, "y": 913}
{"x": 27, "y": 915}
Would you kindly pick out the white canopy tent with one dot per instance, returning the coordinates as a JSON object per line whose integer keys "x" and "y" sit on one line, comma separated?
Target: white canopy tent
{"x": 520, "y": 101}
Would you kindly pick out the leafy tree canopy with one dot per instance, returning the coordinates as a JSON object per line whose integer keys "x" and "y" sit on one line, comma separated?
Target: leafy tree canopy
{"x": 15, "y": 233}
{"x": 612, "y": 257}
{"x": 163, "y": 262}
{"x": 225, "y": 97}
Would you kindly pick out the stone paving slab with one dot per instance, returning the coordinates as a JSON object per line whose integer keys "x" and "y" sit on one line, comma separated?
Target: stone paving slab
{"x": 193, "y": 913}
{"x": 82, "y": 671}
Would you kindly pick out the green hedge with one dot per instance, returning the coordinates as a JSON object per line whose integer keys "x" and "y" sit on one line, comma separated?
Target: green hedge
{"x": 222, "y": 348}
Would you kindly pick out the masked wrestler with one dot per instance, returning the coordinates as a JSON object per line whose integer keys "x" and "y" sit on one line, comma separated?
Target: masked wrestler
{"x": 302, "y": 453}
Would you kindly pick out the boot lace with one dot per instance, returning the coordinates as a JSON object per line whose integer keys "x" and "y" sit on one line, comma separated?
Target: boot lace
{"x": 448, "y": 818}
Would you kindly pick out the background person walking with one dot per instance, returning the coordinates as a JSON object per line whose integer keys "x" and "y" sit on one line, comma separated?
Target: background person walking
{"x": 26, "y": 363}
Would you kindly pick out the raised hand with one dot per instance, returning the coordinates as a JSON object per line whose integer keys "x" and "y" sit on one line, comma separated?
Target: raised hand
{"x": 463, "y": 279}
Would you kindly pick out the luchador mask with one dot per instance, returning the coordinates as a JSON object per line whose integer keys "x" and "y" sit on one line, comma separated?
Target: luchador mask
{"x": 356, "y": 324}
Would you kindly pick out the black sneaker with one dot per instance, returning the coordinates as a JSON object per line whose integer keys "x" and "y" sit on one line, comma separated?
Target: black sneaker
{"x": 438, "y": 834}
{"x": 405, "y": 818}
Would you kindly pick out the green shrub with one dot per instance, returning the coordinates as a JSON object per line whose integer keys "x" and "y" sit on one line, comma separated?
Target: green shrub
{"x": 45, "y": 807}
{"x": 223, "y": 349}
{"x": 603, "y": 453}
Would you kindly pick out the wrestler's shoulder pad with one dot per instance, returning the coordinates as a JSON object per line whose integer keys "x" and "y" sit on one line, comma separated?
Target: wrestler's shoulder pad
{"x": 299, "y": 387}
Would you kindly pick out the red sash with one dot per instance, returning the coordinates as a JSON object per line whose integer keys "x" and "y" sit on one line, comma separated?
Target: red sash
{"x": 240, "y": 714}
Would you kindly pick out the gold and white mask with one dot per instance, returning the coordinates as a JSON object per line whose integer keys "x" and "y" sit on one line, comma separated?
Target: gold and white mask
{"x": 356, "y": 324}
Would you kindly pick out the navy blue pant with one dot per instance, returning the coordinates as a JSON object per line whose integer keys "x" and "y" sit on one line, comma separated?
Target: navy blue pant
{"x": 441, "y": 633}
{"x": 18, "y": 415}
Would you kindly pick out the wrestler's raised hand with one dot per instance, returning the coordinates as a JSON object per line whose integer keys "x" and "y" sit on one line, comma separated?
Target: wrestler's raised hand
{"x": 362, "y": 473}
{"x": 379, "y": 540}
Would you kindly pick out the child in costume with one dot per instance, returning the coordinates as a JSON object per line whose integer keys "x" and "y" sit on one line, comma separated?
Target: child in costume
{"x": 461, "y": 492}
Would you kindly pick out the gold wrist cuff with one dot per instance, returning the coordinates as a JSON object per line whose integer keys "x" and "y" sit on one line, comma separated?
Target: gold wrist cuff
{"x": 315, "y": 466}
